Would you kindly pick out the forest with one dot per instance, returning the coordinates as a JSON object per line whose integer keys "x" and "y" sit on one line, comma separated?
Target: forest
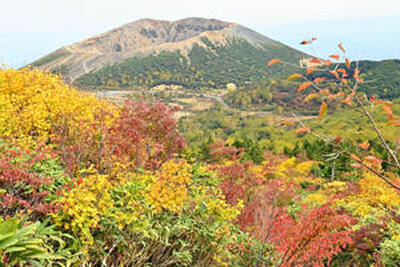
{"x": 210, "y": 67}
{"x": 85, "y": 182}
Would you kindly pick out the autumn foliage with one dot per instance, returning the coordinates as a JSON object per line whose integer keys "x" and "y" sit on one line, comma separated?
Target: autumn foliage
{"x": 117, "y": 186}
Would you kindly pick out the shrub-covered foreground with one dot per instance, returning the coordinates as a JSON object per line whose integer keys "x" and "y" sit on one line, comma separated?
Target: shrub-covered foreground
{"x": 87, "y": 183}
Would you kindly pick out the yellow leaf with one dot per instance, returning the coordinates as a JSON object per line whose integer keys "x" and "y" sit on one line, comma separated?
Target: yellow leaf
{"x": 323, "y": 110}
{"x": 310, "y": 97}
{"x": 294, "y": 76}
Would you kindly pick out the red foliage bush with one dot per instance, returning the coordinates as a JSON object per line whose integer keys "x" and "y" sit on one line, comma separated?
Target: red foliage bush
{"x": 23, "y": 190}
{"x": 310, "y": 236}
{"x": 313, "y": 237}
{"x": 141, "y": 136}
{"x": 145, "y": 135}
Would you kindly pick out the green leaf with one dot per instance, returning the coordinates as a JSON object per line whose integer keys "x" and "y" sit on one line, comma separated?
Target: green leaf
{"x": 14, "y": 249}
{"x": 9, "y": 226}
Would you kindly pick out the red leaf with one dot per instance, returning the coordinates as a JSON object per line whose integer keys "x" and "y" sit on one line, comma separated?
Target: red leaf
{"x": 338, "y": 139}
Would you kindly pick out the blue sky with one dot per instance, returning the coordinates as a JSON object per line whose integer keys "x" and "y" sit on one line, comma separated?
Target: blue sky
{"x": 368, "y": 28}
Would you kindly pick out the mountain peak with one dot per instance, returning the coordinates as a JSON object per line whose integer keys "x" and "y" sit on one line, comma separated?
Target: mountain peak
{"x": 144, "y": 37}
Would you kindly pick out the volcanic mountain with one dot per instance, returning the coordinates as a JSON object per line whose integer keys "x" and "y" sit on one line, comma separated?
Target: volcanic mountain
{"x": 192, "y": 52}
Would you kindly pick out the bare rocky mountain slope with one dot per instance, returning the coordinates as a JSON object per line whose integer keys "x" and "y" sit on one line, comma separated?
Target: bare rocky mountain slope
{"x": 144, "y": 37}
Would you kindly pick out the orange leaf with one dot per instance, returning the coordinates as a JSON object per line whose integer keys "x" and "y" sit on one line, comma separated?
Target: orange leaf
{"x": 341, "y": 48}
{"x": 304, "y": 86}
{"x": 387, "y": 103}
{"x": 375, "y": 161}
{"x": 273, "y": 61}
{"x": 315, "y": 60}
{"x": 334, "y": 96}
{"x": 388, "y": 111}
{"x": 327, "y": 62}
{"x": 323, "y": 110}
{"x": 356, "y": 76}
{"x": 347, "y": 101}
{"x": 305, "y": 42}
{"x": 343, "y": 71}
{"x": 303, "y": 130}
{"x": 324, "y": 91}
{"x": 334, "y": 73}
{"x": 318, "y": 80}
{"x": 348, "y": 63}
{"x": 364, "y": 145}
{"x": 313, "y": 39}
{"x": 394, "y": 123}
{"x": 294, "y": 76}
{"x": 354, "y": 157}
{"x": 335, "y": 57}
{"x": 371, "y": 158}
{"x": 331, "y": 96}
{"x": 357, "y": 166}
{"x": 310, "y": 70}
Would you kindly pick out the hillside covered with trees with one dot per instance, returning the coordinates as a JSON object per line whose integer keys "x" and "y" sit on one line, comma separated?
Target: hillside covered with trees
{"x": 213, "y": 66}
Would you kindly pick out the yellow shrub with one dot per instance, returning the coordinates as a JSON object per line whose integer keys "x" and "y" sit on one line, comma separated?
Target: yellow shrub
{"x": 169, "y": 190}
{"x": 316, "y": 199}
{"x": 84, "y": 207}
{"x": 334, "y": 187}
{"x": 375, "y": 197}
{"x": 33, "y": 103}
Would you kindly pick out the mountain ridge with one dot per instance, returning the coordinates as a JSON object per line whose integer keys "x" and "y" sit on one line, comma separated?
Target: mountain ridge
{"x": 145, "y": 37}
